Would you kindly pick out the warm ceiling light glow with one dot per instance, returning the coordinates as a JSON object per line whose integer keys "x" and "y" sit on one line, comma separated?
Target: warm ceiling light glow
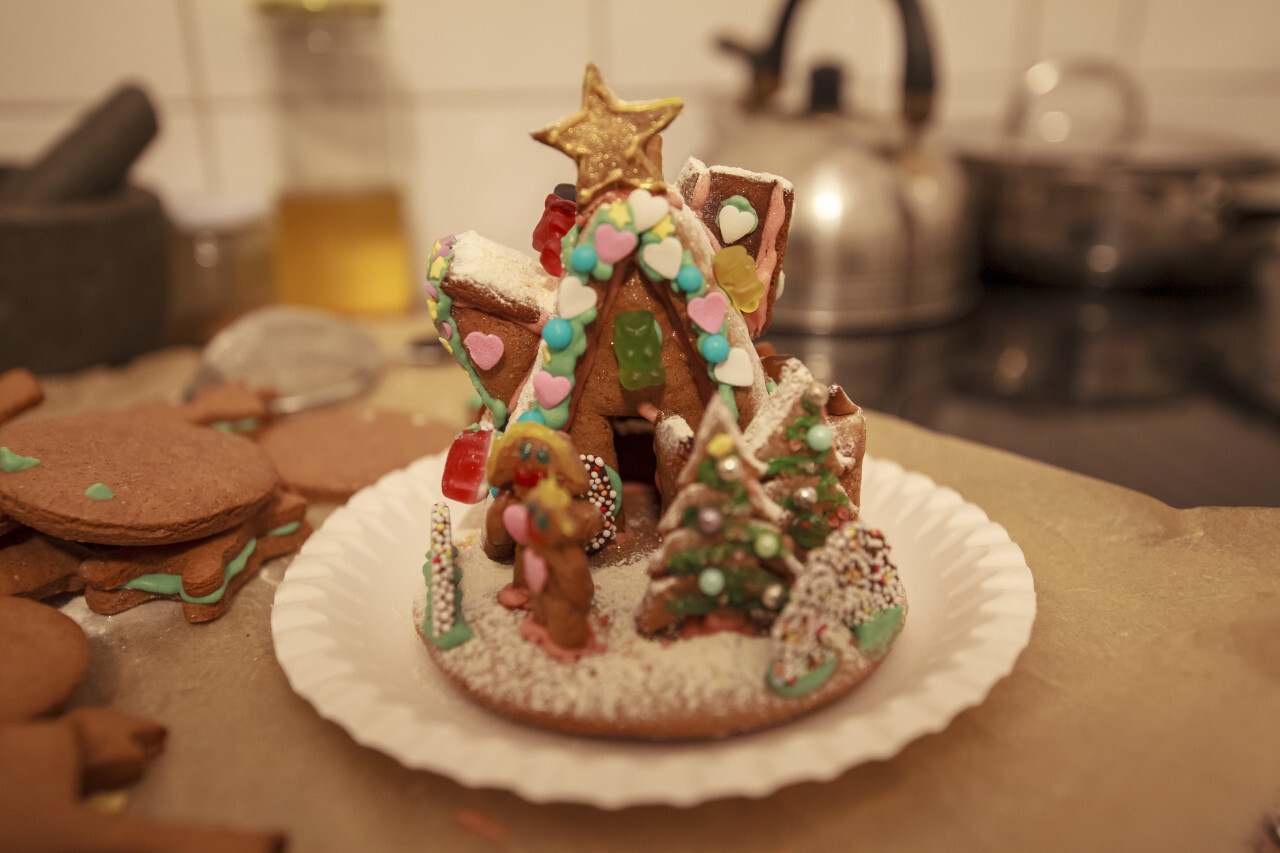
{"x": 828, "y": 206}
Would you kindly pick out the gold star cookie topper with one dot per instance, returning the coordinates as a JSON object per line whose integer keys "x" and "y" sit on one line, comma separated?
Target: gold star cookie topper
{"x": 610, "y": 140}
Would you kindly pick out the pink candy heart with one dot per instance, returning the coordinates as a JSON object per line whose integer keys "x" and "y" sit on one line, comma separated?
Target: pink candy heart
{"x": 516, "y": 520}
{"x": 485, "y": 350}
{"x": 550, "y": 389}
{"x": 708, "y": 311}
{"x": 535, "y": 572}
{"x": 613, "y": 245}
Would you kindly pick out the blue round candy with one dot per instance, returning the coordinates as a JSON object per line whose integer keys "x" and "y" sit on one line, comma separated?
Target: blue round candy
{"x": 557, "y": 333}
{"x": 583, "y": 259}
{"x": 689, "y": 279}
{"x": 715, "y": 348}
{"x": 536, "y": 417}
{"x": 819, "y": 437}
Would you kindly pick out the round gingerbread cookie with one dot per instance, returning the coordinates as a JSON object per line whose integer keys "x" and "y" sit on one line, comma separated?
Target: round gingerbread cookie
{"x": 331, "y": 454}
{"x": 130, "y": 479}
{"x": 43, "y": 656}
{"x": 631, "y": 686}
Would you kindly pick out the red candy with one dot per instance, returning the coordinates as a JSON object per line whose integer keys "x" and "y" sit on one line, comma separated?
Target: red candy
{"x": 557, "y": 218}
{"x": 464, "y": 468}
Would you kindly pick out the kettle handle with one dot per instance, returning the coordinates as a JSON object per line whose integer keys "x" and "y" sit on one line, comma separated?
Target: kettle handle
{"x": 918, "y": 79}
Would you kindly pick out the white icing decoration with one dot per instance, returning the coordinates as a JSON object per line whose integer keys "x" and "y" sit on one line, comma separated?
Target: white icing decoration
{"x": 664, "y": 258}
{"x": 646, "y": 210}
{"x": 736, "y": 222}
{"x": 574, "y": 297}
{"x": 736, "y": 369}
{"x": 782, "y": 284}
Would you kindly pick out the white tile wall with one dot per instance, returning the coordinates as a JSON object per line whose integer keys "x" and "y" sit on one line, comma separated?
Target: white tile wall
{"x": 471, "y": 79}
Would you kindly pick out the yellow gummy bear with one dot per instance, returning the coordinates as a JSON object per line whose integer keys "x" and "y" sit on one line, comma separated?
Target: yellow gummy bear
{"x": 736, "y": 273}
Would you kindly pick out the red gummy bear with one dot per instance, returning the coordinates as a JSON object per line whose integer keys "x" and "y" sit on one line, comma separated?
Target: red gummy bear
{"x": 557, "y": 218}
{"x": 464, "y": 468}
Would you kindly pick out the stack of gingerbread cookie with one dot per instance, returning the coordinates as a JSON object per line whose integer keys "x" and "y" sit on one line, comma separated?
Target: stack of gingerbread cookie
{"x": 131, "y": 506}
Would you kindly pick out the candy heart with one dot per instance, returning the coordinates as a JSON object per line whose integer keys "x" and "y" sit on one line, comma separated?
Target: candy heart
{"x": 516, "y": 520}
{"x": 708, "y": 311}
{"x": 485, "y": 350}
{"x": 736, "y": 369}
{"x": 550, "y": 389}
{"x": 613, "y": 245}
{"x": 535, "y": 572}
{"x": 736, "y": 223}
{"x": 574, "y": 297}
{"x": 646, "y": 210}
{"x": 664, "y": 257}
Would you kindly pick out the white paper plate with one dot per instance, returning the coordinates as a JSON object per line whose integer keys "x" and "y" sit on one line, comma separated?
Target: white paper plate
{"x": 345, "y": 635}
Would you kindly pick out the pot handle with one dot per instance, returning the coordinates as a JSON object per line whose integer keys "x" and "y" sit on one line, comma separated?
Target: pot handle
{"x": 918, "y": 78}
{"x": 1044, "y": 77}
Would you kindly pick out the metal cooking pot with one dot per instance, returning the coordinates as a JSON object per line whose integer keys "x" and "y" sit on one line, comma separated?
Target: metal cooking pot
{"x": 1073, "y": 195}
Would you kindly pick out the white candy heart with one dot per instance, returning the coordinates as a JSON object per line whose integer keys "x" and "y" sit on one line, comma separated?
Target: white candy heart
{"x": 736, "y": 224}
{"x": 664, "y": 257}
{"x": 574, "y": 297}
{"x": 646, "y": 210}
{"x": 736, "y": 369}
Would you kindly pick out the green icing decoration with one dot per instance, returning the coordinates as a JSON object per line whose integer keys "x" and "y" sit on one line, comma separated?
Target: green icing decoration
{"x": 237, "y": 426}
{"x": 807, "y": 683}
{"x": 564, "y": 362}
{"x": 460, "y": 632}
{"x": 167, "y": 584}
{"x": 637, "y": 344}
{"x": 875, "y": 637}
{"x": 99, "y": 492}
{"x": 444, "y": 314}
{"x": 615, "y": 483}
{"x": 11, "y": 462}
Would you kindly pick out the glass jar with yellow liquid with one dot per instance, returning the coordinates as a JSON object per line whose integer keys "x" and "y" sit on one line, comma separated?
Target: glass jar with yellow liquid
{"x": 340, "y": 234}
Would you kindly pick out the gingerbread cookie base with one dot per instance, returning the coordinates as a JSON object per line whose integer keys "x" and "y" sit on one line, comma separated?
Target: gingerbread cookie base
{"x": 637, "y": 688}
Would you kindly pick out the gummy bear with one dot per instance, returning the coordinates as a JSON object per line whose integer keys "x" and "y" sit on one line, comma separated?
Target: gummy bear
{"x": 736, "y": 273}
{"x": 557, "y": 218}
{"x": 464, "y": 468}
{"x": 637, "y": 344}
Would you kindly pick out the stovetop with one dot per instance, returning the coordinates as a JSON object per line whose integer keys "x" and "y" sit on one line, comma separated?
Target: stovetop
{"x": 1133, "y": 388}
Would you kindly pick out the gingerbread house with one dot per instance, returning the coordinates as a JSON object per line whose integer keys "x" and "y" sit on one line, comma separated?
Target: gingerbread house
{"x": 657, "y": 295}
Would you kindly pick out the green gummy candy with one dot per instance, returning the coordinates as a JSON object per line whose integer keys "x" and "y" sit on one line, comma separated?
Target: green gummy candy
{"x": 637, "y": 344}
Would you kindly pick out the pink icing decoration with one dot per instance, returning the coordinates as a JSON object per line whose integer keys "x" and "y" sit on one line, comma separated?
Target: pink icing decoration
{"x": 550, "y": 389}
{"x": 432, "y": 293}
{"x": 485, "y": 350}
{"x": 446, "y": 331}
{"x": 516, "y": 520}
{"x": 708, "y": 311}
{"x": 767, "y": 257}
{"x": 613, "y": 245}
{"x": 535, "y": 572}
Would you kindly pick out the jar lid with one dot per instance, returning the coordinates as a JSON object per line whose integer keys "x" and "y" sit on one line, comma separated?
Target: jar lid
{"x": 218, "y": 212}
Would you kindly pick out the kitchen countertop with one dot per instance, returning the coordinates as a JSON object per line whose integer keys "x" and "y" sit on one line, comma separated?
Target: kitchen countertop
{"x": 1142, "y": 715}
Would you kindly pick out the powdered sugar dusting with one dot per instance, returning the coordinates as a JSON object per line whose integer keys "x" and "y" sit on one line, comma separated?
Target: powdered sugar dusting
{"x": 636, "y": 681}
{"x": 506, "y": 272}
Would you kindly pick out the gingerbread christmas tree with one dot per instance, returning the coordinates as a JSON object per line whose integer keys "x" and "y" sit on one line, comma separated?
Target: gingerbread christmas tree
{"x": 725, "y": 562}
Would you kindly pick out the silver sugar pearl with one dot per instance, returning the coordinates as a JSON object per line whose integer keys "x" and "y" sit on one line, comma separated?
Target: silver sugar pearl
{"x": 729, "y": 468}
{"x": 816, "y": 394}
{"x": 805, "y": 497}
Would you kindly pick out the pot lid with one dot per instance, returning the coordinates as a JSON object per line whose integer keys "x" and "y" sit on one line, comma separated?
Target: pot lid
{"x": 1083, "y": 115}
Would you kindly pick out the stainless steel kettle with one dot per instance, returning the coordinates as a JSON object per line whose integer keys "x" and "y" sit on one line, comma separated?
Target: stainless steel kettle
{"x": 875, "y": 239}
